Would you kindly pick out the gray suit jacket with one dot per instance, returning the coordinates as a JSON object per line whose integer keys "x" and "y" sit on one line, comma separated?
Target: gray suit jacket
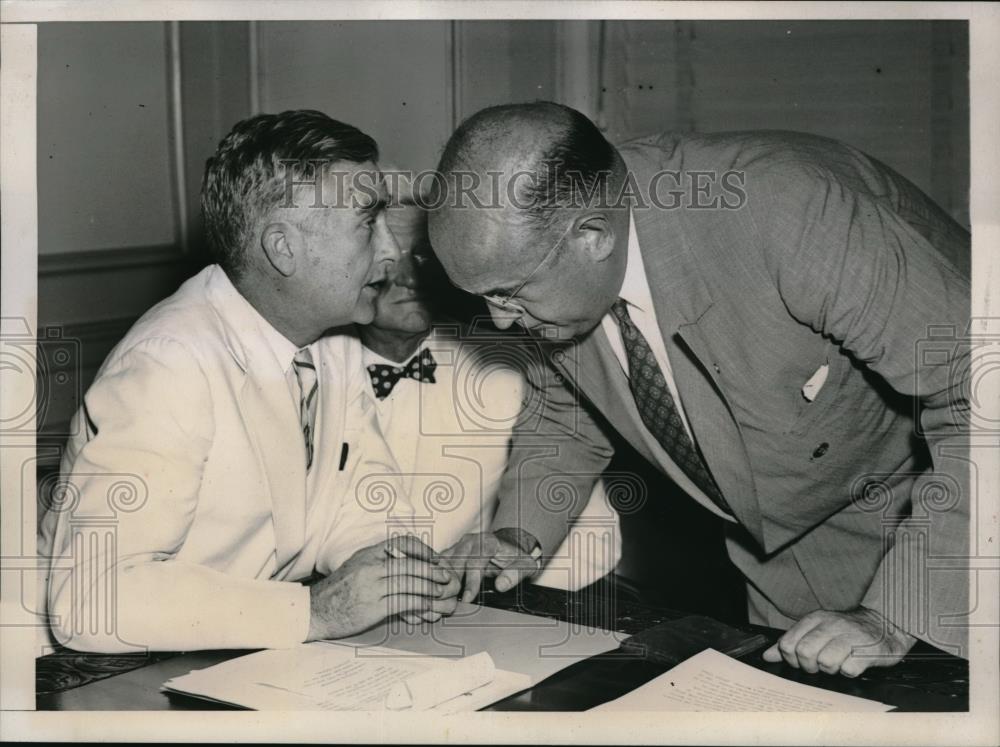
{"x": 860, "y": 496}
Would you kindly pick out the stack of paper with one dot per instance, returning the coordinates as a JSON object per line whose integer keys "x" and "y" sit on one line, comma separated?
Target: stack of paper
{"x": 329, "y": 677}
{"x": 712, "y": 681}
{"x": 464, "y": 662}
{"x": 536, "y": 646}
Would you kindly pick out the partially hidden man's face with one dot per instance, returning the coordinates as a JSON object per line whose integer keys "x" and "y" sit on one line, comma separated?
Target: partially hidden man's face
{"x": 403, "y": 303}
{"x": 491, "y": 253}
{"x": 348, "y": 246}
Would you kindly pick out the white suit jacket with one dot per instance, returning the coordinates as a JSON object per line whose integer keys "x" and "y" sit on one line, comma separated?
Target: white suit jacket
{"x": 451, "y": 441}
{"x": 186, "y": 520}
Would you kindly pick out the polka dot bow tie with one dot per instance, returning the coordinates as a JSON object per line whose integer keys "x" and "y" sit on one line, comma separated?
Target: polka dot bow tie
{"x": 385, "y": 377}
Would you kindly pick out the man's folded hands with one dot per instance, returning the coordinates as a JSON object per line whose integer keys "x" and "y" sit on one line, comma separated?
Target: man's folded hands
{"x": 401, "y": 576}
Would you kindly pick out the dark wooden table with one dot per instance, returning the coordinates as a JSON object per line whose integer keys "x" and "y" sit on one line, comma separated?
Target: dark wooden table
{"x": 927, "y": 680}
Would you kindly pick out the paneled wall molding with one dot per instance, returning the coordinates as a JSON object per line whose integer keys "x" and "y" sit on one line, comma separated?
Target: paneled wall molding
{"x": 896, "y": 90}
{"x": 95, "y": 260}
{"x": 578, "y": 66}
{"x": 91, "y": 332}
{"x": 254, "y": 66}
{"x": 67, "y": 376}
{"x": 175, "y": 110}
{"x": 108, "y": 137}
{"x": 950, "y": 104}
{"x": 684, "y": 91}
{"x": 455, "y": 54}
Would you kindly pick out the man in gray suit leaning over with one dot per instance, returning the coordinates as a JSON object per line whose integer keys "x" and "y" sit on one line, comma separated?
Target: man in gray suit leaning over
{"x": 748, "y": 310}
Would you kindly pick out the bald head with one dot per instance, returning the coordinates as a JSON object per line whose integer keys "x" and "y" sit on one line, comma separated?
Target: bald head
{"x": 510, "y": 170}
{"x": 512, "y": 134}
{"x": 531, "y": 202}
{"x": 539, "y": 157}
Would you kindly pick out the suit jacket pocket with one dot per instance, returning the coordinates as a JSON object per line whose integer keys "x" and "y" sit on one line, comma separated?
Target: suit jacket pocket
{"x": 826, "y": 397}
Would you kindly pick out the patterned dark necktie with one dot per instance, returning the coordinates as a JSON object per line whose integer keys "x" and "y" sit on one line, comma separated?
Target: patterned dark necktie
{"x": 658, "y": 409}
{"x": 305, "y": 372}
{"x": 385, "y": 377}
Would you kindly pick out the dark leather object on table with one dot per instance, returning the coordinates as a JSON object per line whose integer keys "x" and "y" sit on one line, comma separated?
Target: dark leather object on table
{"x": 674, "y": 641}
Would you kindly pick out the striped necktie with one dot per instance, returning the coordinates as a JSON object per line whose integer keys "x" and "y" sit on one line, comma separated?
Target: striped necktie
{"x": 657, "y": 407}
{"x": 305, "y": 373}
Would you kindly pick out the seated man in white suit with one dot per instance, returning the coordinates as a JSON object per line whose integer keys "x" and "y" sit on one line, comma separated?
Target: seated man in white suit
{"x": 446, "y": 399}
{"x": 203, "y": 455}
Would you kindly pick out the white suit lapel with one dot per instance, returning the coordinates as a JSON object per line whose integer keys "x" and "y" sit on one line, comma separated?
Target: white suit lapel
{"x": 270, "y": 415}
{"x": 274, "y": 428}
{"x": 338, "y": 368}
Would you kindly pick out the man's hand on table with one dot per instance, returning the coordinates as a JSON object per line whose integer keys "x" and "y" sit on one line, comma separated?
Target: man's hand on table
{"x": 844, "y": 642}
{"x": 505, "y": 554}
{"x": 373, "y": 585}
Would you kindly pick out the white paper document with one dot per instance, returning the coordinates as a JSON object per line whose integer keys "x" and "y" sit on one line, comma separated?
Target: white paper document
{"x": 531, "y": 645}
{"x": 464, "y": 662}
{"x": 329, "y": 677}
{"x": 711, "y": 681}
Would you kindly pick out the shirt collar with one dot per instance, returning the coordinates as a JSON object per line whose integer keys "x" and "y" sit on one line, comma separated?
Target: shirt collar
{"x": 635, "y": 287}
{"x": 284, "y": 349}
{"x": 249, "y": 332}
{"x": 370, "y": 357}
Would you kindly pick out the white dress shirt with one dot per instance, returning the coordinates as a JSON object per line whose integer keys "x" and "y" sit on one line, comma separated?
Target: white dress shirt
{"x": 451, "y": 441}
{"x": 635, "y": 292}
{"x": 284, "y": 352}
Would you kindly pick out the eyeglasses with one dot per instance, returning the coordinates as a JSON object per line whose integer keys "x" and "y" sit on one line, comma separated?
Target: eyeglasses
{"x": 505, "y": 303}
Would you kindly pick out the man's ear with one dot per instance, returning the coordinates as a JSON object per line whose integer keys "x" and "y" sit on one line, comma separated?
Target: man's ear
{"x": 279, "y": 241}
{"x": 594, "y": 234}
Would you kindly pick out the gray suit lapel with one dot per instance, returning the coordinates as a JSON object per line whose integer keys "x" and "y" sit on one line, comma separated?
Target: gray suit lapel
{"x": 684, "y": 309}
{"x": 599, "y": 376}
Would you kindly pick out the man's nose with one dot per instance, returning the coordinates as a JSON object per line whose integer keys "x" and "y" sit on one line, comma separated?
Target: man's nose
{"x": 404, "y": 271}
{"x": 386, "y": 249}
{"x": 503, "y": 319}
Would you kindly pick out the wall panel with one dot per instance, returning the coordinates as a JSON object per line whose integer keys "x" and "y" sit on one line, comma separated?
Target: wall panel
{"x": 215, "y": 86}
{"x": 866, "y": 84}
{"x": 110, "y": 242}
{"x": 501, "y": 62}
{"x": 104, "y": 169}
{"x": 390, "y": 79}
{"x": 897, "y": 90}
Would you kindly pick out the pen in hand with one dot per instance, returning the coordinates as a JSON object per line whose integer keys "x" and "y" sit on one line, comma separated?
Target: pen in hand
{"x": 394, "y": 552}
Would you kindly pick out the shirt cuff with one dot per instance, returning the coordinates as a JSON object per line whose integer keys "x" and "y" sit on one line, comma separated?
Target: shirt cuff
{"x": 293, "y": 604}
